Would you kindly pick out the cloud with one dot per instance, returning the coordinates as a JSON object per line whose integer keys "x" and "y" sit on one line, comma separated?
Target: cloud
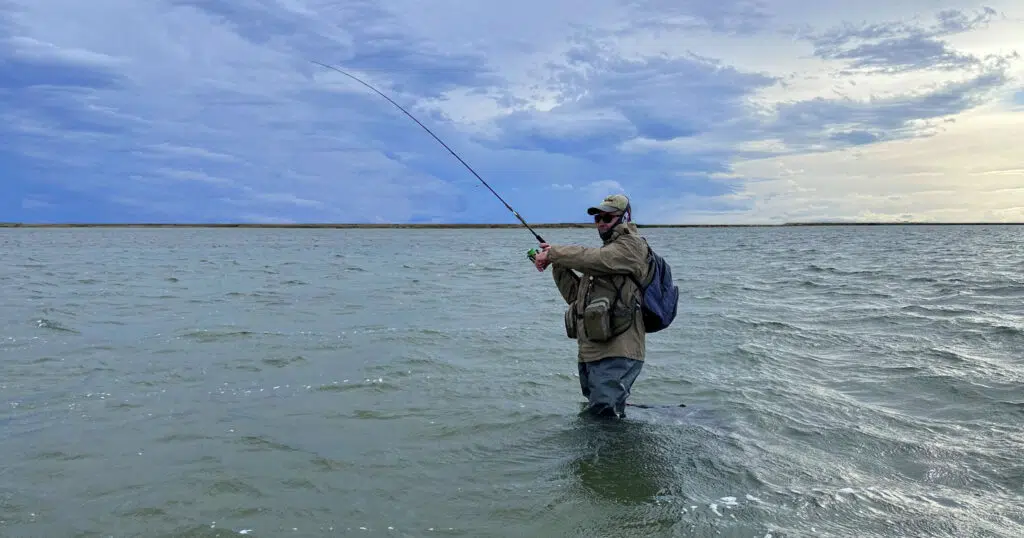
{"x": 905, "y": 53}
{"x": 725, "y": 17}
{"x": 822, "y": 123}
{"x": 938, "y": 178}
{"x": 200, "y": 118}
{"x": 653, "y": 97}
{"x": 896, "y": 46}
{"x": 209, "y": 110}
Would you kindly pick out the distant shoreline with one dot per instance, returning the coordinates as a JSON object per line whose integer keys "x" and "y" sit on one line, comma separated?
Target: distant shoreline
{"x": 476, "y": 226}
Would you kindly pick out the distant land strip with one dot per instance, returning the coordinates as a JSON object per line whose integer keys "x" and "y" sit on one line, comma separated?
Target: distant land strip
{"x": 328, "y": 225}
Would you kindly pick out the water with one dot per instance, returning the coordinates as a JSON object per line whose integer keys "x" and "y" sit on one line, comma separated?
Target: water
{"x": 217, "y": 382}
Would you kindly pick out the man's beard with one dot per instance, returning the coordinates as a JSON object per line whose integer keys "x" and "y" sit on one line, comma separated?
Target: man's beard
{"x": 605, "y": 235}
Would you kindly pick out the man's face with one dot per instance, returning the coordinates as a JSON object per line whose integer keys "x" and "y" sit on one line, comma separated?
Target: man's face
{"x": 605, "y": 221}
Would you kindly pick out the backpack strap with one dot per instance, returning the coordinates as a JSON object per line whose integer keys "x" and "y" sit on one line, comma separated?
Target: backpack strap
{"x": 650, "y": 273}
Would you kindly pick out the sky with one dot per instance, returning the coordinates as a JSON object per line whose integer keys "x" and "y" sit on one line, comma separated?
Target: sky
{"x": 702, "y": 111}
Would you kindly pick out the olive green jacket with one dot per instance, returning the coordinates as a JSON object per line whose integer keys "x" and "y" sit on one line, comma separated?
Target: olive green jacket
{"x": 604, "y": 269}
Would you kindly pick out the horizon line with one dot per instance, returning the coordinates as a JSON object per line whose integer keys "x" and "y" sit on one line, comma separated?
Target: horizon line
{"x": 432, "y": 225}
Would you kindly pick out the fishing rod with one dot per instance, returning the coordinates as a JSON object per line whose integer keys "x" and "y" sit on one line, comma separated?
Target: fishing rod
{"x": 514, "y": 212}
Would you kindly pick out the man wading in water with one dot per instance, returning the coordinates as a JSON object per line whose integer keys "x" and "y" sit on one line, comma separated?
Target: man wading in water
{"x": 604, "y": 305}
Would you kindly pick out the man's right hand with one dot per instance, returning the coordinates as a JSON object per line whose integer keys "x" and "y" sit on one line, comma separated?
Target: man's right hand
{"x": 541, "y": 261}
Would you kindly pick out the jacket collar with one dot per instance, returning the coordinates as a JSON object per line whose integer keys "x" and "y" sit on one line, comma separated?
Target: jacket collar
{"x": 621, "y": 229}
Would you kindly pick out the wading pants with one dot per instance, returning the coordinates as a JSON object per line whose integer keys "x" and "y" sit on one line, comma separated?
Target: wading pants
{"x": 606, "y": 384}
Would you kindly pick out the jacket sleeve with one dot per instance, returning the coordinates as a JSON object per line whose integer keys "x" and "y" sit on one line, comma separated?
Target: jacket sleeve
{"x": 567, "y": 282}
{"x": 617, "y": 257}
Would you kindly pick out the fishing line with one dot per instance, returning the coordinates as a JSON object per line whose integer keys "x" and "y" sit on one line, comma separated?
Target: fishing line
{"x": 514, "y": 212}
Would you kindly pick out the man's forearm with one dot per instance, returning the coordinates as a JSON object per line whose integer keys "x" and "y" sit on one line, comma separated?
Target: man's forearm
{"x": 610, "y": 259}
{"x": 566, "y": 281}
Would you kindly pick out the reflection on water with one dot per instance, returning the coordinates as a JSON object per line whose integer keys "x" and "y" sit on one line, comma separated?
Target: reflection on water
{"x": 621, "y": 461}
{"x": 650, "y": 475}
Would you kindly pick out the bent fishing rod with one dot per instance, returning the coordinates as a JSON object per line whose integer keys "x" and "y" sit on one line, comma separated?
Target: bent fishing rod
{"x": 450, "y": 150}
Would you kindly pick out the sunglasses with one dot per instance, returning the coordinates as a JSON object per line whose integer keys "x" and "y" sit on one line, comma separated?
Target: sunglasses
{"x": 605, "y": 217}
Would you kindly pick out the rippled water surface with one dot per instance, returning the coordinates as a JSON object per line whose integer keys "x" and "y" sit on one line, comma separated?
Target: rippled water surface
{"x": 838, "y": 381}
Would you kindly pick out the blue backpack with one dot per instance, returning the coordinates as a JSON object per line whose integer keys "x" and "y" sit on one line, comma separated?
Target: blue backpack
{"x": 660, "y": 295}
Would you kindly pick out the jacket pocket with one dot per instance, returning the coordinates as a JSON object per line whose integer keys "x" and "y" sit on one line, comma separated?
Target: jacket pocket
{"x": 606, "y": 315}
{"x": 597, "y": 323}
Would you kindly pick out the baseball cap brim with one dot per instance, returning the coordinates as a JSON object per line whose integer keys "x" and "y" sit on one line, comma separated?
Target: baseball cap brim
{"x": 602, "y": 209}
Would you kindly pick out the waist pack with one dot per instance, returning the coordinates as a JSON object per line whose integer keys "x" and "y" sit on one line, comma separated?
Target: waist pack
{"x": 659, "y": 294}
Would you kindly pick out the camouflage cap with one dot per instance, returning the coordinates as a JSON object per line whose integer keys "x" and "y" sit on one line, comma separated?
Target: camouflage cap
{"x": 613, "y": 203}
